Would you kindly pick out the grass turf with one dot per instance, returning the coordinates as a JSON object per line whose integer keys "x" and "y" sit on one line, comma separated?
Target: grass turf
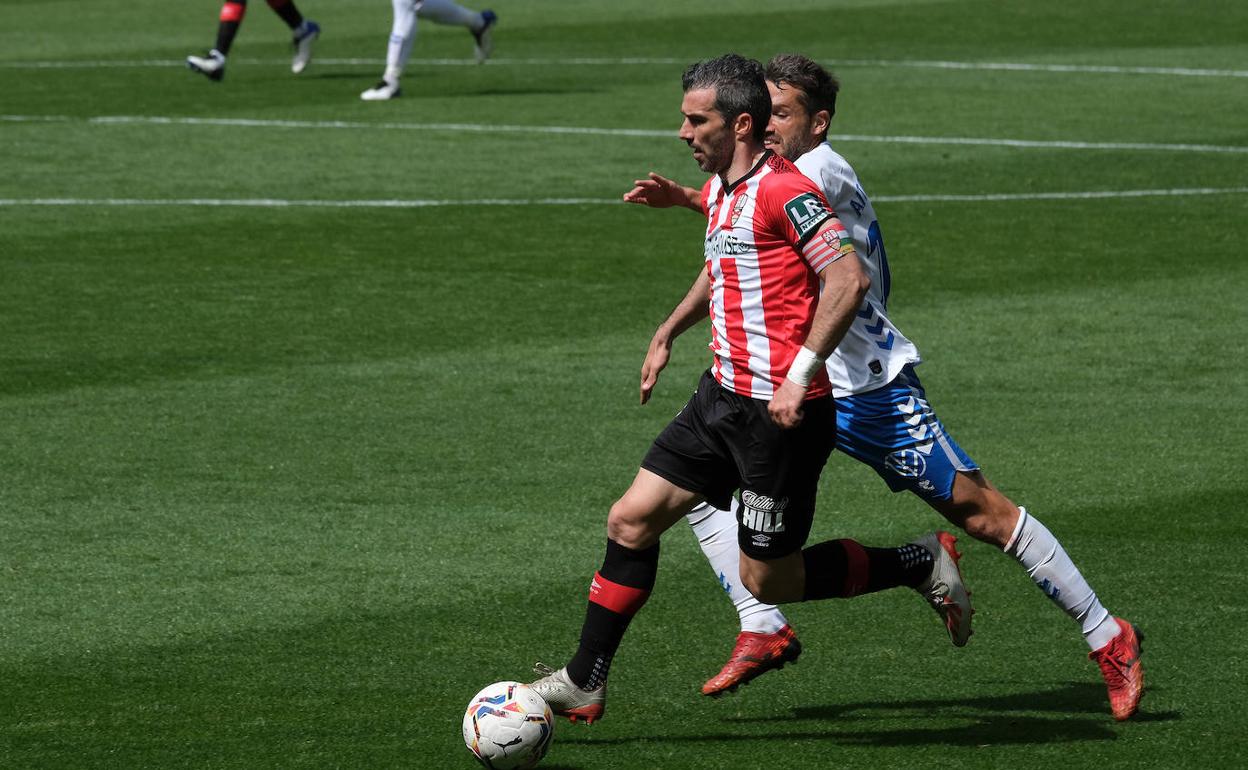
{"x": 284, "y": 487}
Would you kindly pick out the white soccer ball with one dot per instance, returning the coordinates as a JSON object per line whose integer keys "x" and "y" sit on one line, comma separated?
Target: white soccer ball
{"x": 507, "y": 725}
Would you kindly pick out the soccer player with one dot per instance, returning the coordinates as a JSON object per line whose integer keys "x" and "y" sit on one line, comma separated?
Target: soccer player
{"x": 304, "y": 31}
{"x": 781, "y": 285}
{"x": 884, "y": 418}
{"x": 403, "y": 35}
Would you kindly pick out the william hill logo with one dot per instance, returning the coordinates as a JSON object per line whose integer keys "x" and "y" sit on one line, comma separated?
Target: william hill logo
{"x": 761, "y": 513}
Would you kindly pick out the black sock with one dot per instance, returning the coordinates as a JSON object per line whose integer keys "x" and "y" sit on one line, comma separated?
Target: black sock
{"x": 287, "y": 10}
{"x": 616, "y": 593}
{"x": 232, "y": 12}
{"x": 844, "y": 568}
{"x": 225, "y": 36}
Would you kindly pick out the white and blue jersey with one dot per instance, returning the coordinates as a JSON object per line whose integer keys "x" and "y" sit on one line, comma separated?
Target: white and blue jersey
{"x": 883, "y": 417}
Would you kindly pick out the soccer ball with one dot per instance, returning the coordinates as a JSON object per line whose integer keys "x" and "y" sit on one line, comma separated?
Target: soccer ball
{"x": 507, "y": 725}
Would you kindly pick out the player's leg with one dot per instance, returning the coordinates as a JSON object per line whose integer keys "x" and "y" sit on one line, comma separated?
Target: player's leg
{"x": 304, "y": 32}
{"x": 681, "y": 469}
{"x": 481, "y": 25}
{"x": 229, "y": 20}
{"x": 836, "y": 569}
{"x": 398, "y": 51}
{"x": 979, "y": 508}
{"x": 617, "y": 592}
{"x": 895, "y": 430}
{"x": 766, "y": 642}
{"x": 986, "y": 514}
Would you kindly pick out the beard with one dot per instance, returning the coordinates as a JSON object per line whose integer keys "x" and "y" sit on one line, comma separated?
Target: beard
{"x": 788, "y": 150}
{"x": 715, "y": 159}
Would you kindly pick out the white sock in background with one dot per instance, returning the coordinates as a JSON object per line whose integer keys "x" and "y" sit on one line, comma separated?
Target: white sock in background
{"x": 402, "y": 36}
{"x": 717, "y": 535}
{"x": 447, "y": 12}
{"x": 1034, "y": 546}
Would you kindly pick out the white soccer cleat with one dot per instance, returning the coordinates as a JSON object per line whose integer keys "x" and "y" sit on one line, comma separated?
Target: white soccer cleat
{"x": 568, "y": 700}
{"x": 484, "y": 37}
{"x": 944, "y": 589}
{"x": 212, "y": 65}
{"x": 382, "y": 91}
{"x": 302, "y": 42}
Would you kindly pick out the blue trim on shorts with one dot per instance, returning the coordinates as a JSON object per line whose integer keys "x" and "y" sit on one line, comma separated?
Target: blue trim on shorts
{"x": 894, "y": 430}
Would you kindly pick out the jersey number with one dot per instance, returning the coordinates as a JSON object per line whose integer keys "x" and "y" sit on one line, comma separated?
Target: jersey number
{"x": 875, "y": 242}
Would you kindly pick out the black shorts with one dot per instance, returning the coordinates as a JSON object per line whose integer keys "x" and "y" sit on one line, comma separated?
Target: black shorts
{"x": 722, "y": 442}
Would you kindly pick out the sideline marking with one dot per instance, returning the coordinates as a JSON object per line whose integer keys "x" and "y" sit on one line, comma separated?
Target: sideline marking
{"x": 593, "y": 131}
{"x": 1100, "y": 69}
{"x": 417, "y": 203}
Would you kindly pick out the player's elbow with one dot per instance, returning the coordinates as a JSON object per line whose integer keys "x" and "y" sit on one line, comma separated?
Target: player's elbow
{"x": 859, "y": 285}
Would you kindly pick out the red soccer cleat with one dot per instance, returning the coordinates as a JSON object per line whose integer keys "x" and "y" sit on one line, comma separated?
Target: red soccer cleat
{"x": 754, "y": 655}
{"x": 1120, "y": 665}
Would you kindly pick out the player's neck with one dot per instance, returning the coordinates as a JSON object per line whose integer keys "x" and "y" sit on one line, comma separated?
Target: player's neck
{"x": 745, "y": 157}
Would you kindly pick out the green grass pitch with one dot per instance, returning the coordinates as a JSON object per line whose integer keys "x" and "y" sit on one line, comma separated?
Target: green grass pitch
{"x": 281, "y": 487}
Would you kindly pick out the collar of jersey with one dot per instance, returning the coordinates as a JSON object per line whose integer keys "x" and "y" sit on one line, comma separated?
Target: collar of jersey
{"x": 766, "y": 154}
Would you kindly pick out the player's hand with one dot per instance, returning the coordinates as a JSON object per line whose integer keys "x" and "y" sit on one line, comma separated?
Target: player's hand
{"x": 786, "y": 405}
{"x": 657, "y": 192}
{"x": 656, "y": 358}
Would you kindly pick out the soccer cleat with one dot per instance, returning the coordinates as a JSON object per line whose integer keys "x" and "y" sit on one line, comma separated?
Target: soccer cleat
{"x": 754, "y": 655}
{"x": 943, "y": 589}
{"x": 484, "y": 37}
{"x": 568, "y": 700}
{"x": 303, "y": 40}
{"x": 212, "y": 65}
{"x": 1120, "y": 665}
{"x": 381, "y": 92}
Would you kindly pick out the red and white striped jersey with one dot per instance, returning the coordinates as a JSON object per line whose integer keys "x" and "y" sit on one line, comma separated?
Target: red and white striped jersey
{"x": 764, "y": 273}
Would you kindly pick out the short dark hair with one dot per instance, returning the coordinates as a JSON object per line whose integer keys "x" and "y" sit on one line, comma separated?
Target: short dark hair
{"x": 818, "y": 87}
{"x": 740, "y": 87}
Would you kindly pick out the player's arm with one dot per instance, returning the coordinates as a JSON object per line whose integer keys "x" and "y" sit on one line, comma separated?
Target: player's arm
{"x": 692, "y": 309}
{"x": 831, "y": 252}
{"x": 659, "y": 192}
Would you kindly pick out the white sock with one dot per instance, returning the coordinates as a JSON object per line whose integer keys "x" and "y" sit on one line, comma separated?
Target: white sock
{"x": 447, "y": 12}
{"x": 716, "y": 531}
{"x": 402, "y": 36}
{"x": 1034, "y": 546}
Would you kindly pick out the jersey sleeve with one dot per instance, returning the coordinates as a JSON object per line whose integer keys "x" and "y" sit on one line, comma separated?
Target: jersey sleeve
{"x": 799, "y": 208}
{"x": 803, "y": 212}
{"x": 832, "y": 243}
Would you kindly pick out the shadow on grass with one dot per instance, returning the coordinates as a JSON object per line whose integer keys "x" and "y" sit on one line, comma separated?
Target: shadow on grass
{"x": 1002, "y": 720}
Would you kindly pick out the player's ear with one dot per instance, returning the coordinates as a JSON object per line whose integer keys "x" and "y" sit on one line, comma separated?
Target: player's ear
{"x": 820, "y": 122}
{"x": 743, "y": 126}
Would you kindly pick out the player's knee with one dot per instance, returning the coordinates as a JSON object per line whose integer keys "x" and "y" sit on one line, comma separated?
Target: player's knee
{"x": 760, "y": 583}
{"x": 753, "y": 583}
{"x": 627, "y": 528}
{"x": 991, "y": 519}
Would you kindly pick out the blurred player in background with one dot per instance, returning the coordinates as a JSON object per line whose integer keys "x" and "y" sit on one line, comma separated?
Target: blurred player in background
{"x": 403, "y": 35}
{"x": 781, "y": 284}
{"x": 304, "y": 31}
{"x": 884, "y": 419}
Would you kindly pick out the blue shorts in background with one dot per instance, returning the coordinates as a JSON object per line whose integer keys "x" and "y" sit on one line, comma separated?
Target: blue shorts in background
{"x": 894, "y": 430}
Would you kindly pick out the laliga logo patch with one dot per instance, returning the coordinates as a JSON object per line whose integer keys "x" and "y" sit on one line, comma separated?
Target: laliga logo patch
{"x": 907, "y": 462}
{"x": 737, "y": 207}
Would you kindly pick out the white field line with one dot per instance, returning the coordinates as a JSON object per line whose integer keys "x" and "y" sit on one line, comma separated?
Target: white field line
{"x": 493, "y": 128}
{"x": 418, "y": 203}
{"x": 1102, "y": 69}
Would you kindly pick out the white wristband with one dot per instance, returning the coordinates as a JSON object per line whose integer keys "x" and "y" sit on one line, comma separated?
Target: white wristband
{"x": 805, "y": 364}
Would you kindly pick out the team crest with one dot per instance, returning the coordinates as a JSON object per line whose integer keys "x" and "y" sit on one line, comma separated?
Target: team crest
{"x": 737, "y": 207}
